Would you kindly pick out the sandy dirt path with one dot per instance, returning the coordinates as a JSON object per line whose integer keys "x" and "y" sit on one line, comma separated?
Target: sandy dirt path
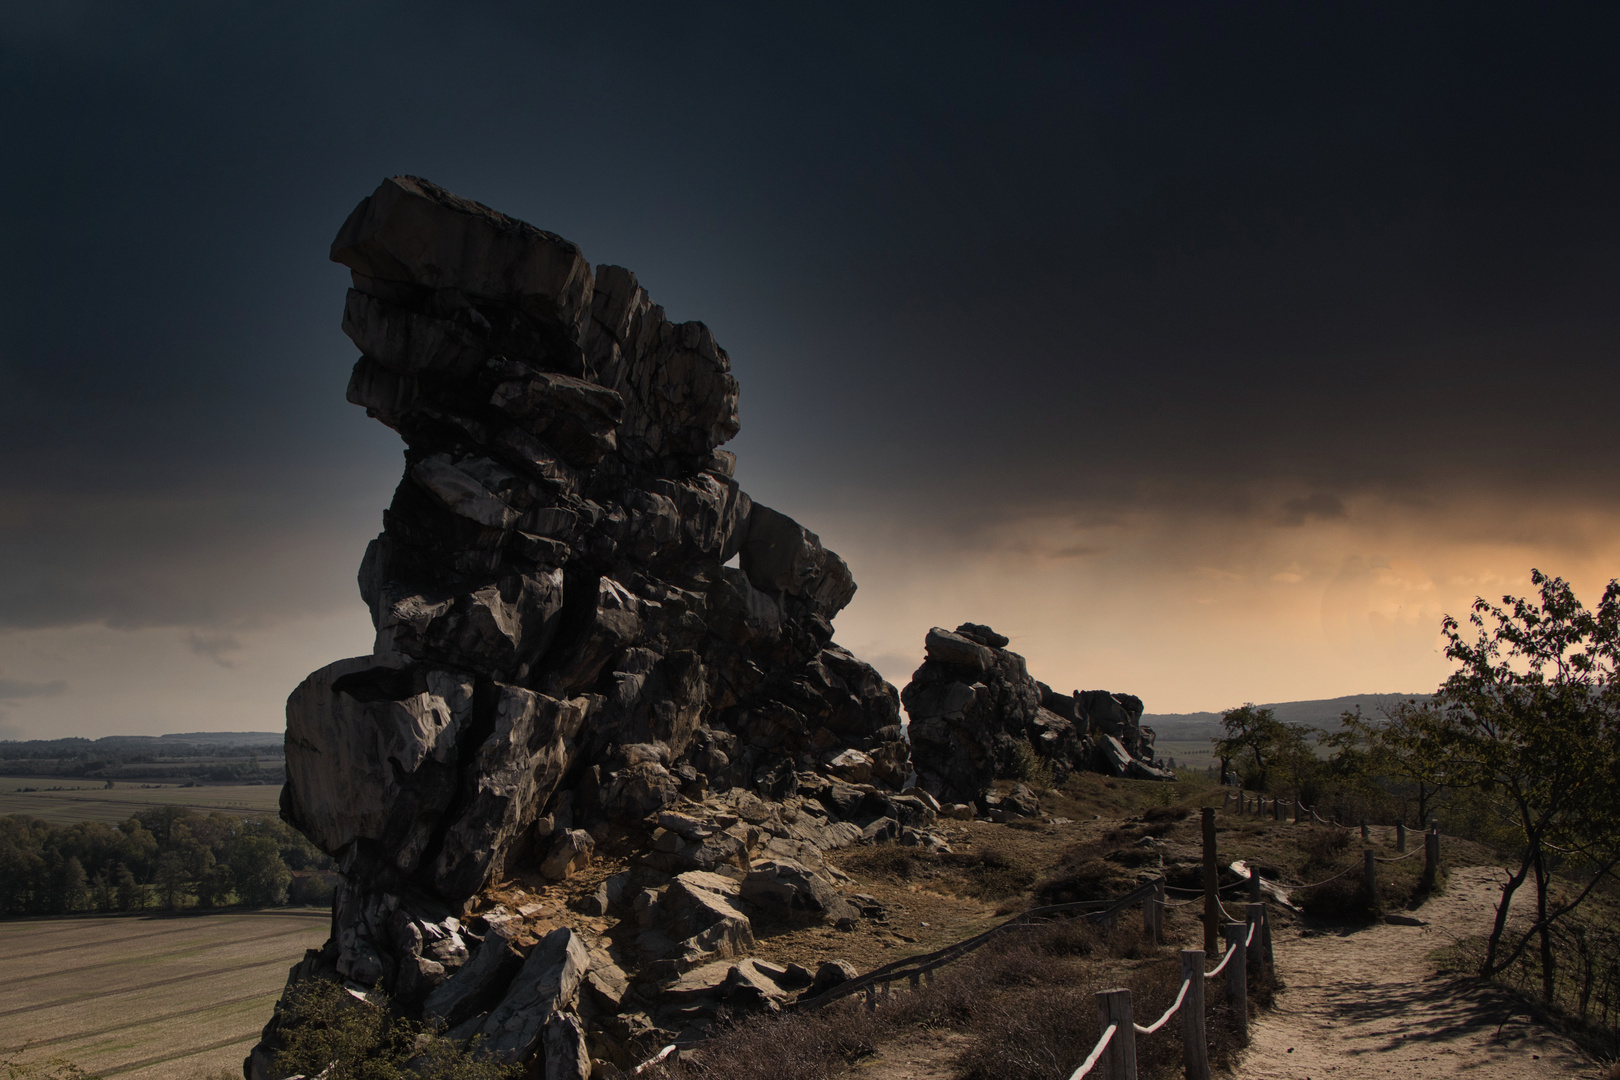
{"x": 1366, "y": 1004}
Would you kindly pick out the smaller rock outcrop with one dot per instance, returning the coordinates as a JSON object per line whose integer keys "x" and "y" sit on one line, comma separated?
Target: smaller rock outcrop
{"x": 977, "y": 714}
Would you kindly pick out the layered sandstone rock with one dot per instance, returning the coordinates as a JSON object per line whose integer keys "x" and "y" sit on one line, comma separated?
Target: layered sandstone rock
{"x": 564, "y": 657}
{"x": 977, "y": 714}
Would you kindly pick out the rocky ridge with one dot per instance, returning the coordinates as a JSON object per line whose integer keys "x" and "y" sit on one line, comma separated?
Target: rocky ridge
{"x": 604, "y": 730}
{"x": 565, "y": 663}
{"x": 976, "y": 713}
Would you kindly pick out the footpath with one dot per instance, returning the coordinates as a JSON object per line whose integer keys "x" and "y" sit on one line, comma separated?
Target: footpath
{"x": 1366, "y": 1004}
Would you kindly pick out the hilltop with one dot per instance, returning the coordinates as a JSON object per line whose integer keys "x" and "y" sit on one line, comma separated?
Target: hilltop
{"x": 1318, "y": 712}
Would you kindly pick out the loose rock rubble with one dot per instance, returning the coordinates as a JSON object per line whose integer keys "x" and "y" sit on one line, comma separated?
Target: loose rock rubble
{"x": 604, "y": 728}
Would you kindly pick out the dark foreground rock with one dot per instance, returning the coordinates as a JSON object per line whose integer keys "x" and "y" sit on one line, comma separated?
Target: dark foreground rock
{"x": 976, "y": 715}
{"x": 564, "y": 659}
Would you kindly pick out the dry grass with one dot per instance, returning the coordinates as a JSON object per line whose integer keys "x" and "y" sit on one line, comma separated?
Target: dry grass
{"x": 1024, "y": 1006}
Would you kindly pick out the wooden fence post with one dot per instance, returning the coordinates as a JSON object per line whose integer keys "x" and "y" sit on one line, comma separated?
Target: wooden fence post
{"x": 1152, "y": 919}
{"x": 1369, "y": 874}
{"x": 1366, "y": 833}
{"x": 916, "y": 981}
{"x": 1277, "y": 809}
{"x": 1400, "y": 836}
{"x": 1119, "y": 1060}
{"x": 1255, "y": 916}
{"x": 1298, "y": 809}
{"x": 1212, "y": 900}
{"x": 871, "y": 999}
{"x": 1431, "y": 856}
{"x": 1194, "y": 1043}
{"x": 1237, "y": 981}
{"x": 1267, "y": 956}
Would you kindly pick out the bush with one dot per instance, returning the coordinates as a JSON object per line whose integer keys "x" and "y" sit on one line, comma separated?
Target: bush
{"x": 324, "y": 1027}
{"x": 992, "y": 873}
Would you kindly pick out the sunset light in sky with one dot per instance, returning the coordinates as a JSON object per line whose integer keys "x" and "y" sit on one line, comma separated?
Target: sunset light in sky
{"x": 1212, "y": 353}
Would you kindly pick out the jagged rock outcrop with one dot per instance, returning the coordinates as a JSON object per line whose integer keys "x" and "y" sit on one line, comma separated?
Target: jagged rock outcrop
{"x": 976, "y": 714}
{"x": 563, "y": 657}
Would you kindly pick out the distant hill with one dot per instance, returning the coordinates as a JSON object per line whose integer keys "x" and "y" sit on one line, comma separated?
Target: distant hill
{"x": 1321, "y": 713}
{"x": 155, "y": 743}
{"x": 195, "y": 756}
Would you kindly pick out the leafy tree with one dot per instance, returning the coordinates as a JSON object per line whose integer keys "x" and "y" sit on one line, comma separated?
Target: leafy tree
{"x": 132, "y": 895}
{"x": 215, "y": 885}
{"x": 71, "y": 884}
{"x": 1388, "y": 756}
{"x": 1265, "y": 746}
{"x": 171, "y": 880}
{"x": 261, "y": 877}
{"x": 102, "y": 897}
{"x": 1530, "y": 720}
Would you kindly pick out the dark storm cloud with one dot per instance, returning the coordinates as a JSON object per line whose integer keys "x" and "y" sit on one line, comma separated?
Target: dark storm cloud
{"x": 970, "y": 261}
{"x": 1318, "y": 506}
{"x": 16, "y": 689}
{"x": 215, "y": 647}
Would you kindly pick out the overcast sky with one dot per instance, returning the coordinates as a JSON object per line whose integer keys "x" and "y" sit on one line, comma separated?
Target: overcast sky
{"x": 1210, "y": 351}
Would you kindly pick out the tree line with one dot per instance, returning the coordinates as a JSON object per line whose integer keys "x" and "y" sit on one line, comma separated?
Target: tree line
{"x": 165, "y": 857}
{"x": 1519, "y": 748}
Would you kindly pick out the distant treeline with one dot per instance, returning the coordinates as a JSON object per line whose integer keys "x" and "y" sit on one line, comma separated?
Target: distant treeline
{"x": 133, "y": 748}
{"x": 165, "y": 857}
{"x": 132, "y": 758}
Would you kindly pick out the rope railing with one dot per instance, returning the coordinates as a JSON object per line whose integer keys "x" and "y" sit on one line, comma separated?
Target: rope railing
{"x": 1396, "y": 858}
{"x": 1370, "y": 860}
{"x": 1248, "y": 939}
{"x": 1096, "y": 1053}
{"x": 1220, "y": 967}
{"x": 912, "y": 966}
{"x": 1181, "y": 996}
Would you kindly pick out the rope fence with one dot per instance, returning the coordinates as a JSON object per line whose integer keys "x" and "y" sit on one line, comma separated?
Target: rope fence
{"x": 1115, "y": 1050}
{"x": 1303, "y": 814}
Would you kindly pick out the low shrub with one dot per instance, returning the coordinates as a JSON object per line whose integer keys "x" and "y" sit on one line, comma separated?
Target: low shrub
{"x": 1323, "y": 846}
{"x": 327, "y": 1031}
{"x": 990, "y": 872}
{"x": 889, "y": 861}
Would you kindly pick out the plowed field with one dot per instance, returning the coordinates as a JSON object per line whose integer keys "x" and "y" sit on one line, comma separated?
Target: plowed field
{"x": 79, "y": 800}
{"x": 176, "y": 997}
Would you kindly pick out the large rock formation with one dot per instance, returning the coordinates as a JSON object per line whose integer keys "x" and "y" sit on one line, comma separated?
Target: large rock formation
{"x": 564, "y": 658}
{"x": 976, "y": 714}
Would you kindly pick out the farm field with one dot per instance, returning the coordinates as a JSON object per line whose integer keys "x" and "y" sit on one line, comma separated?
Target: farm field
{"x": 92, "y": 800}
{"x": 1189, "y": 754}
{"x": 170, "y": 997}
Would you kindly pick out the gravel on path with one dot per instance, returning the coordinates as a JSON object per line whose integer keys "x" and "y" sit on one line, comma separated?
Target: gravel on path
{"x": 1366, "y": 1004}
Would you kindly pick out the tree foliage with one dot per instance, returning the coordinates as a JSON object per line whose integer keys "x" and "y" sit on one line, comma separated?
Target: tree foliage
{"x": 330, "y": 1032}
{"x": 1530, "y": 722}
{"x": 164, "y": 855}
{"x": 1265, "y": 751}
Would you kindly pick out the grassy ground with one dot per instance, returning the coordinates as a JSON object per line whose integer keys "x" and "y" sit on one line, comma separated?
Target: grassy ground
{"x": 147, "y": 997}
{"x": 1023, "y": 1010}
{"x": 64, "y": 802}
